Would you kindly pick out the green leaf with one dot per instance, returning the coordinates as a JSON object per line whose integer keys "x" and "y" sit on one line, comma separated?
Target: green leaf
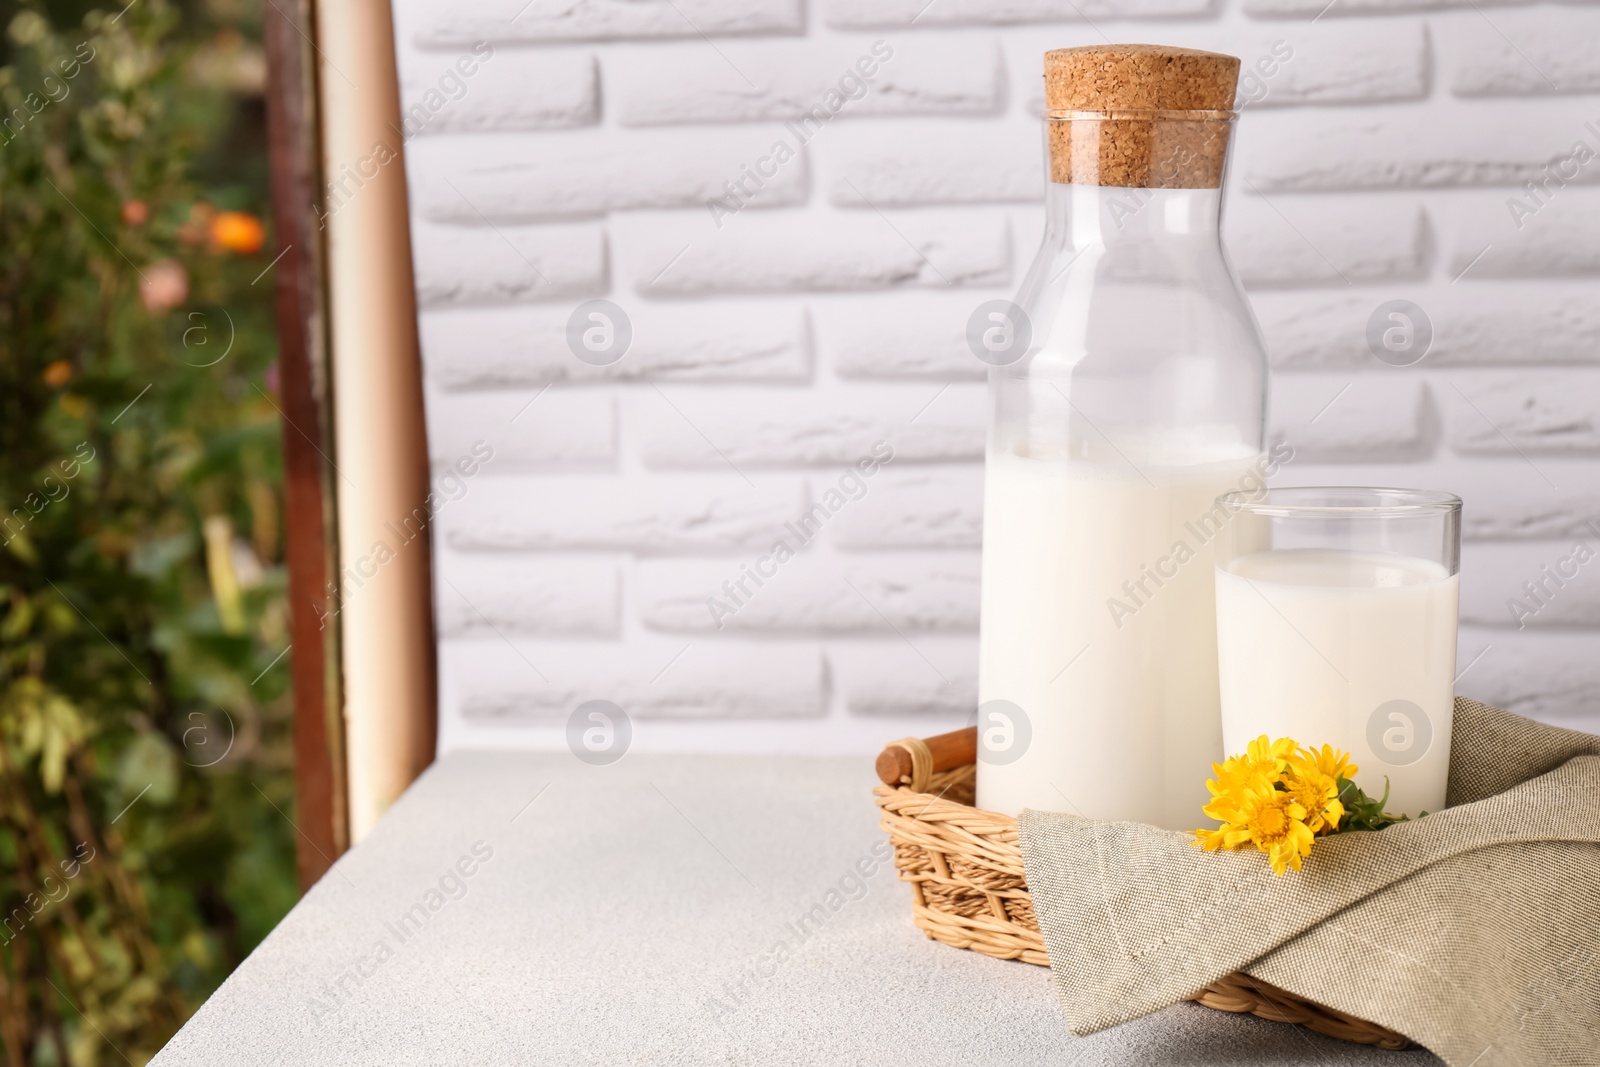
{"x": 18, "y": 620}
{"x": 19, "y": 545}
{"x": 1362, "y": 812}
{"x": 149, "y": 761}
{"x": 48, "y": 726}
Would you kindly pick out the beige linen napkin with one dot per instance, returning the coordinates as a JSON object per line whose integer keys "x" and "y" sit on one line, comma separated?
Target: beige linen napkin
{"x": 1474, "y": 931}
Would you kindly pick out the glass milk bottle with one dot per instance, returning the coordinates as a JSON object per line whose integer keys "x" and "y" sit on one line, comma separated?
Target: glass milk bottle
{"x": 1127, "y": 390}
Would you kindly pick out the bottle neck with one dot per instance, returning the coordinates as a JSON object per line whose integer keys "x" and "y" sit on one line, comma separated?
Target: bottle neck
{"x": 1105, "y": 216}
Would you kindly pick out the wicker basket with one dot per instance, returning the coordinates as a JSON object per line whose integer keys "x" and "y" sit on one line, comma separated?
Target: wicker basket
{"x": 965, "y": 869}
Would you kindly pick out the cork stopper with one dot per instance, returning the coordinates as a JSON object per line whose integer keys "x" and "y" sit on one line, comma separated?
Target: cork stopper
{"x": 1139, "y": 151}
{"x": 1144, "y": 76}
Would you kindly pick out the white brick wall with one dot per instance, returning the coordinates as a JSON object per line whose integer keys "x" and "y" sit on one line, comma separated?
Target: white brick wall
{"x": 586, "y": 173}
{"x": 498, "y": 348}
{"x": 485, "y": 95}
{"x": 1387, "y": 158}
{"x": 1510, "y": 324}
{"x": 486, "y": 266}
{"x": 1526, "y": 53}
{"x": 929, "y": 76}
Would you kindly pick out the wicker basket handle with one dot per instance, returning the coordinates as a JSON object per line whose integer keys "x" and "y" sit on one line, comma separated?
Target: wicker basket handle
{"x": 912, "y": 761}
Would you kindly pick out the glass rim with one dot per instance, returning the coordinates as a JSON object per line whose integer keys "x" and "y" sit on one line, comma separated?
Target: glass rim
{"x": 1321, "y": 500}
{"x": 1135, "y": 113}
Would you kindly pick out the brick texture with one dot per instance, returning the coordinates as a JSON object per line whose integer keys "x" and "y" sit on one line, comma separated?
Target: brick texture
{"x": 487, "y": 597}
{"x": 1307, "y": 241}
{"x": 796, "y": 209}
{"x": 812, "y": 593}
{"x": 484, "y": 265}
{"x": 439, "y": 25}
{"x": 900, "y": 335}
{"x": 1520, "y": 236}
{"x": 850, "y": 251}
{"x": 559, "y": 429}
{"x": 1526, "y": 411}
{"x": 586, "y": 173}
{"x": 1547, "y": 675}
{"x": 1523, "y": 584}
{"x": 1373, "y": 417}
{"x": 936, "y": 677}
{"x": 1293, "y": 64}
{"x": 541, "y": 683}
{"x": 1312, "y": 8}
{"x": 921, "y": 507}
{"x": 1504, "y": 498}
{"x": 787, "y": 80}
{"x": 508, "y": 90}
{"x": 935, "y": 163}
{"x": 497, "y": 348}
{"x": 1351, "y": 62}
{"x": 693, "y": 514}
{"x": 1408, "y": 147}
{"x": 1474, "y": 324}
{"x": 733, "y": 429}
{"x": 851, "y": 13}
{"x": 1525, "y": 53}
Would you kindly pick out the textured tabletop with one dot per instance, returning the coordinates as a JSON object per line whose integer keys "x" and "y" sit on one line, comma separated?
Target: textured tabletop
{"x": 518, "y": 908}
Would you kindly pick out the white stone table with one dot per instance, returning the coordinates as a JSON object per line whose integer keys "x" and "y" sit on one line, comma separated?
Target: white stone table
{"x": 520, "y": 908}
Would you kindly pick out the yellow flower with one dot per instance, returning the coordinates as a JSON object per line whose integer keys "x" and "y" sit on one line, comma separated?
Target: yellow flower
{"x": 1271, "y": 820}
{"x": 1230, "y": 788}
{"x": 1277, "y": 827}
{"x": 1257, "y": 771}
{"x": 1234, "y": 809}
{"x": 1274, "y": 797}
{"x": 1318, "y": 793}
{"x": 1330, "y": 761}
{"x": 1235, "y": 775}
{"x": 1212, "y": 840}
{"x": 1278, "y": 796}
{"x": 1313, "y": 780}
{"x": 1269, "y": 755}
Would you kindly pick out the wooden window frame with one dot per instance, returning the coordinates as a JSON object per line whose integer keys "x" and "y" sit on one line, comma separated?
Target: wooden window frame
{"x": 363, "y": 668}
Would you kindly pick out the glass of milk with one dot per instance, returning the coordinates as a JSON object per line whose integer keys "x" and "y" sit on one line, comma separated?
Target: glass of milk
{"x": 1336, "y": 624}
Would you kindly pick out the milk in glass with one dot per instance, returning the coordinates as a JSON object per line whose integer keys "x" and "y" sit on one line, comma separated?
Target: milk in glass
{"x": 1352, "y": 649}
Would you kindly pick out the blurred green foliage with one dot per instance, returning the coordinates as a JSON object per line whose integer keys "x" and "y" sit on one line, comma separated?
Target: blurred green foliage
{"x": 144, "y": 714}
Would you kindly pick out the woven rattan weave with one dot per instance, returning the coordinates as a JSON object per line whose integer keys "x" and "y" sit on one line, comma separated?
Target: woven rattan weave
{"x": 964, "y": 865}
